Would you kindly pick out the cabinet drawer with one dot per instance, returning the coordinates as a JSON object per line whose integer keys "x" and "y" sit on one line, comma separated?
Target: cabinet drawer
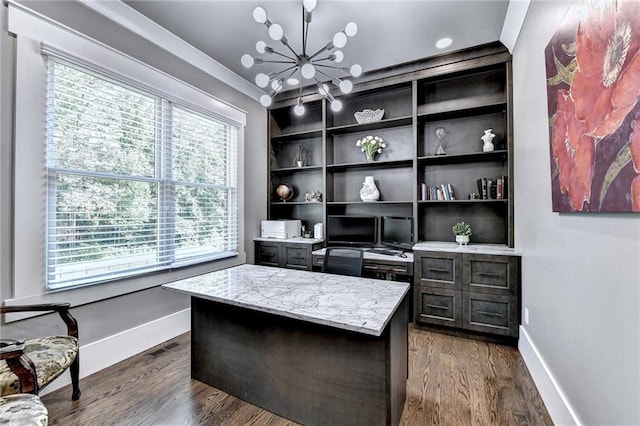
{"x": 440, "y": 270}
{"x": 490, "y": 313}
{"x": 296, "y": 257}
{"x": 268, "y": 254}
{"x": 438, "y": 306}
{"x": 490, "y": 274}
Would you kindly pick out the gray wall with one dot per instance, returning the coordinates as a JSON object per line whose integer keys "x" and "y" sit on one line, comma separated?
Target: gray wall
{"x": 108, "y": 317}
{"x": 581, "y": 272}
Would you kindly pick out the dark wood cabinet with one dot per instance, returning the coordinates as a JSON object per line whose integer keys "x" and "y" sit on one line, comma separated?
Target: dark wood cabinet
{"x": 465, "y": 93}
{"x": 470, "y": 290}
{"x": 293, "y": 253}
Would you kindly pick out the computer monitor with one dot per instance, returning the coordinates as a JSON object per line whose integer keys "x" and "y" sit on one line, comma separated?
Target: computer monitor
{"x": 351, "y": 230}
{"x": 397, "y": 232}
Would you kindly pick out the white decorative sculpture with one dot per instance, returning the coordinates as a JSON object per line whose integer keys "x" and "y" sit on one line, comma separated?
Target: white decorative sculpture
{"x": 369, "y": 192}
{"x": 487, "y": 138}
{"x": 440, "y": 133}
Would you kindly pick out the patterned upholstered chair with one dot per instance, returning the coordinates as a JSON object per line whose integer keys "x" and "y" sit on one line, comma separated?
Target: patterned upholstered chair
{"x": 23, "y": 409}
{"x": 28, "y": 366}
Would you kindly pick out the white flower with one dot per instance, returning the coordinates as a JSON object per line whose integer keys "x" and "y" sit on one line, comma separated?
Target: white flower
{"x": 379, "y": 150}
{"x": 358, "y": 143}
{"x": 384, "y": 145}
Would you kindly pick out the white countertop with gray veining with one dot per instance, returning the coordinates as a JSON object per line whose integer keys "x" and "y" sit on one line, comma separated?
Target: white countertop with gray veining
{"x": 351, "y": 303}
{"x": 497, "y": 249}
{"x": 301, "y": 240}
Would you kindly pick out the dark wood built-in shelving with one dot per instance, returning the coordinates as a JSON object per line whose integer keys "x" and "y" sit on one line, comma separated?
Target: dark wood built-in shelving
{"x": 465, "y": 92}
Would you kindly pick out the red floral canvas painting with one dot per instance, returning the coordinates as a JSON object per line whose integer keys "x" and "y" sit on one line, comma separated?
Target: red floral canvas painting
{"x": 593, "y": 92}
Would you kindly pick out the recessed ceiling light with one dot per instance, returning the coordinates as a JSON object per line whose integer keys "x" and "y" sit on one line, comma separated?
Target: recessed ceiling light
{"x": 293, "y": 81}
{"x": 443, "y": 42}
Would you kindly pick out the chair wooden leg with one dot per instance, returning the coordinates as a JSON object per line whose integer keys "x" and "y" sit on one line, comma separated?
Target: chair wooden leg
{"x": 74, "y": 368}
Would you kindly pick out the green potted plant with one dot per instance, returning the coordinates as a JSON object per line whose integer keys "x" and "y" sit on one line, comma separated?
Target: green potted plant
{"x": 462, "y": 231}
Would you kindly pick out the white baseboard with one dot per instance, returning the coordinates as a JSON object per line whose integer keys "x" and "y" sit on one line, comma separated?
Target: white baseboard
{"x": 113, "y": 349}
{"x": 556, "y": 402}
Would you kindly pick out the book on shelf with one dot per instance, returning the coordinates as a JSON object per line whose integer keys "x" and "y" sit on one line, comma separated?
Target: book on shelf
{"x": 442, "y": 192}
{"x": 492, "y": 189}
{"x": 453, "y": 197}
{"x": 482, "y": 188}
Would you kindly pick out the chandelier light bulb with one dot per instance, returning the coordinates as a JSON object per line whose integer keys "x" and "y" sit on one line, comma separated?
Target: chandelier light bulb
{"x": 308, "y": 71}
{"x": 338, "y": 56}
{"x": 262, "y": 80}
{"x": 265, "y": 100}
{"x": 340, "y": 40}
{"x": 247, "y": 61}
{"x": 277, "y": 85}
{"x": 323, "y": 89}
{"x": 351, "y": 29}
{"x": 336, "y": 105}
{"x": 309, "y": 5}
{"x": 356, "y": 70}
{"x": 259, "y": 15}
{"x": 346, "y": 86}
{"x": 276, "y": 32}
{"x": 298, "y": 109}
{"x": 260, "y": 46}
{"x": 293, "y": 81}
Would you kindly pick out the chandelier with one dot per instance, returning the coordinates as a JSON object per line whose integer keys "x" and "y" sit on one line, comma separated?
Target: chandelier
{"x": 302, "y": 66}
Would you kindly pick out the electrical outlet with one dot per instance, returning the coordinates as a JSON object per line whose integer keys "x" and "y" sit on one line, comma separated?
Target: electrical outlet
{"x": 526, "y": 316}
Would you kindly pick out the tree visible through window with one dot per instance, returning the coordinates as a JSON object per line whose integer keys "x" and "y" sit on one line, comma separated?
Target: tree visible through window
{"x": 135, "y": 182}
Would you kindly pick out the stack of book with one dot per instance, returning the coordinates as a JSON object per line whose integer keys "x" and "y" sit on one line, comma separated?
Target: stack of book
{"x": 493, "y": 189}
{"x": 442, "y": 192}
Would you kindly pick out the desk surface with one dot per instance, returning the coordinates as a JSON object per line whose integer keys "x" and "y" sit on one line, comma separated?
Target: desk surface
{"x": 351, "y": 303}
{"x": 368, "y": 255}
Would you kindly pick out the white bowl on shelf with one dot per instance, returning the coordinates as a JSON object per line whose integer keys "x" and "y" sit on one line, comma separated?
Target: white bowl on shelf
{"x": 368, "y": 115}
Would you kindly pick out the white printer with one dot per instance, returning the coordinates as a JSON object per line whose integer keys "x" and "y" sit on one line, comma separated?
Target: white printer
{"x": 280, "y": 228}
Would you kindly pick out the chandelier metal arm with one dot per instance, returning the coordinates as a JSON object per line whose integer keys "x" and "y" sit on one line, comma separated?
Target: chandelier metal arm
{"x": 315, "y": 63}
{"x": 275, "y": 52}
{"x": 326, "y": 48}
{"x": 264, "y": 61}
{"x": 334, "y": 80}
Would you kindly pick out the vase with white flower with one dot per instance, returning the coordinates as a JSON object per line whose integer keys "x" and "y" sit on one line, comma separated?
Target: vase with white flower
{"x": 371, "y": 146}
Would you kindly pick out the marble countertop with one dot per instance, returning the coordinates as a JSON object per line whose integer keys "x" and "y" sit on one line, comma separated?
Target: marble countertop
{"x": 291, "y": 240}
{"x": 351, "y": 303}
{"x": 497, "y": 249}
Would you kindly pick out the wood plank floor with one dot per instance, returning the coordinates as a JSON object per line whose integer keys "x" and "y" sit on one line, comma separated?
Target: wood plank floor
{"x": 452, "y": 381}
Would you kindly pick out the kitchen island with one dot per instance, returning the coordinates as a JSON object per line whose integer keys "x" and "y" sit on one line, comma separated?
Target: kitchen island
{"x": 316, "y": 348}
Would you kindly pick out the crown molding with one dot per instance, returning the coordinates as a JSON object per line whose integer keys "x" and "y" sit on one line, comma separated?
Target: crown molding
{"x": 513, "y": 21}
{"x": 137, "y": 23}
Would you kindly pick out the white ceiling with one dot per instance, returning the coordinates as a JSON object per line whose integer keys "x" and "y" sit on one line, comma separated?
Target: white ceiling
{"x": 389, "y": 32}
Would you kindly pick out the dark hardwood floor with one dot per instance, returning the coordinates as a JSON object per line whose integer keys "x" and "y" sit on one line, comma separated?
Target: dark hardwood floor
{"x": 452, "y": 381}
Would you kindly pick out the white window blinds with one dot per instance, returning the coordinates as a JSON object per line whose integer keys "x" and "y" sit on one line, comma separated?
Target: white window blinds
{"x": 135, "y": 182}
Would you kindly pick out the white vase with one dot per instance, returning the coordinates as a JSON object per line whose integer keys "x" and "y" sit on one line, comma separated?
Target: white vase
{"x": 369, "y": 192}
{"x": 463, "y": 240}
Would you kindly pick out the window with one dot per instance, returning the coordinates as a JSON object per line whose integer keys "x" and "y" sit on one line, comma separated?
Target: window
{"x": 135, "y": 181}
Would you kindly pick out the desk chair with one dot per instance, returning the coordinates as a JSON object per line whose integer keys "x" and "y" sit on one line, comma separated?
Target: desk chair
{"x": 343, "y": 261}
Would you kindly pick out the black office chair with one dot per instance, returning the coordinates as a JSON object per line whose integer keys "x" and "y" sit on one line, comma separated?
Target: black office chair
{"x": 343, "y": 261}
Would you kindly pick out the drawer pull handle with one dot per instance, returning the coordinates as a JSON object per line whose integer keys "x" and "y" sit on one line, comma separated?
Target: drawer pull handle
{"x": 371, "y": 267}
{"x": 491, "y": 314}
{"x": 490, "y": 274}
{"x": 437, "y": 307}
{"x": 438, "y": 270}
